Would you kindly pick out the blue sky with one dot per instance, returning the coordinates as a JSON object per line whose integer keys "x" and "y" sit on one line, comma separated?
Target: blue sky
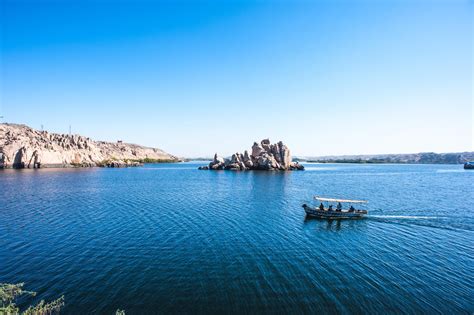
{"x": 326, "y": 77}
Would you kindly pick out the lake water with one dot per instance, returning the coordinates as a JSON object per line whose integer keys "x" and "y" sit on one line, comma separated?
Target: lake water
{"x": 167, "y": 238}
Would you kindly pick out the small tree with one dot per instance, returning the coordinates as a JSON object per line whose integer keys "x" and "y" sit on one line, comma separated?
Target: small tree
{"x": 10, "y": 292}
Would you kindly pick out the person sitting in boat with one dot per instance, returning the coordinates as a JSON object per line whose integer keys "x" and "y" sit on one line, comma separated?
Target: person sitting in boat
{"x": 321, "y": 207}
{"x": 351, "y": 209}
{"x": 338, "y": 207}
{"x": 330, "y": 208}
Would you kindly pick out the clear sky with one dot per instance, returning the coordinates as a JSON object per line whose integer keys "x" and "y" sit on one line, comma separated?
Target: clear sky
{"x": 193, "y": 78}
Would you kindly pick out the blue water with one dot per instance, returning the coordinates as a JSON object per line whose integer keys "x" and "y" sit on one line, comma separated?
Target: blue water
{"x": 167, "y": 238}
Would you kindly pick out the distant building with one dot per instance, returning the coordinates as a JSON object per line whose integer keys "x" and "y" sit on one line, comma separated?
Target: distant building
{"x": 119, "y": 141}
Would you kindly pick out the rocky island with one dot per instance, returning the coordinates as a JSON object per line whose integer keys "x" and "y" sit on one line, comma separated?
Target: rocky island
{"x": 25, "y": 147}
{"x": 265, "y": 156}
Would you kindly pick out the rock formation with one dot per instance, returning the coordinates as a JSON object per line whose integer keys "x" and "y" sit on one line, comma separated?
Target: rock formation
{"x": 264, "y": 156}
{"x": 24, "y": 147}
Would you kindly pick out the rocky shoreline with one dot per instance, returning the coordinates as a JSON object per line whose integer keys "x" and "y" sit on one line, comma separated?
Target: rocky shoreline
{"x": 265, "y": 157}
{"x": 25, "y": 147}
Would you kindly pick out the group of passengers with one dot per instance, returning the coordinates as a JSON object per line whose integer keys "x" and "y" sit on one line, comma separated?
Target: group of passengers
{"x": 338, "y": 207}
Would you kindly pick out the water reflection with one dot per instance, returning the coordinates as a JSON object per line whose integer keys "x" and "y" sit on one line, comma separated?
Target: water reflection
{"x": 335, "y": 224}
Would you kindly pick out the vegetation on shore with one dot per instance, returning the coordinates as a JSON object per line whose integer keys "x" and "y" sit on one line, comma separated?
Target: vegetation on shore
{"x": 358, "y": 161}
{"x": 9, "y": 293}
{"x": 139, "y": 161}
{"x": 148, "y": 160}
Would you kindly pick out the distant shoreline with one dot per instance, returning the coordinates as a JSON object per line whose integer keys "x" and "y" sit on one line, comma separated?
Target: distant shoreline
{"x": 369, "y": 162}
{"x": 413, "y": 158}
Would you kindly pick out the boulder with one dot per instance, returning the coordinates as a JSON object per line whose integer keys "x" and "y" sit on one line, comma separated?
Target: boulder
{"x": 20, "y": 160}
{"x": 266, "y": 145}
{"x": 257, "y": 150}
{"x": 275, "y": 150}
{"x": 233, "y": 167}
{"x": 2, "y": 160}
{"x": 285, "y": 154}
{"x": 295, "y": 166}
{"x": 218, "y": 159}
{"x": 246, "y": 156}
{"x": 217, "y": 166}
{"x": 218, "y": 163}
{"x": 36, "y": 159}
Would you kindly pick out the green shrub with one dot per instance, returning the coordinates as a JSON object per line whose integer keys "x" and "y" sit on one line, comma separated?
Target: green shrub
{"x": 10, "y": 292}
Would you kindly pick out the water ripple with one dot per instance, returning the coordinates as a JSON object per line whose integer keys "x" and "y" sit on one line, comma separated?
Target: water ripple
{"x": 172, "y": 239}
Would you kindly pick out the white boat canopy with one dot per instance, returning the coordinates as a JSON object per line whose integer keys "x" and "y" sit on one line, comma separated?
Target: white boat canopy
{"x": 339, "y": 200}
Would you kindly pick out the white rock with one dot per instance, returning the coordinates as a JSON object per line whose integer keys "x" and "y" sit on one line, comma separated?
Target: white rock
{"x": 22, "y": 146}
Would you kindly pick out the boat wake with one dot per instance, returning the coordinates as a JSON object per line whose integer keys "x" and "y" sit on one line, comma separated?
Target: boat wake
{"x": 412, "y": 217}
{"x": 439, "y": 222}
{"x": 450, "y": 171}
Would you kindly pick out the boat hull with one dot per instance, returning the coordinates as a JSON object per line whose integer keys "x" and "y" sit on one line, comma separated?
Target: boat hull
{"x": 469, "y": 166}
{"x": 326, "y": 214}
